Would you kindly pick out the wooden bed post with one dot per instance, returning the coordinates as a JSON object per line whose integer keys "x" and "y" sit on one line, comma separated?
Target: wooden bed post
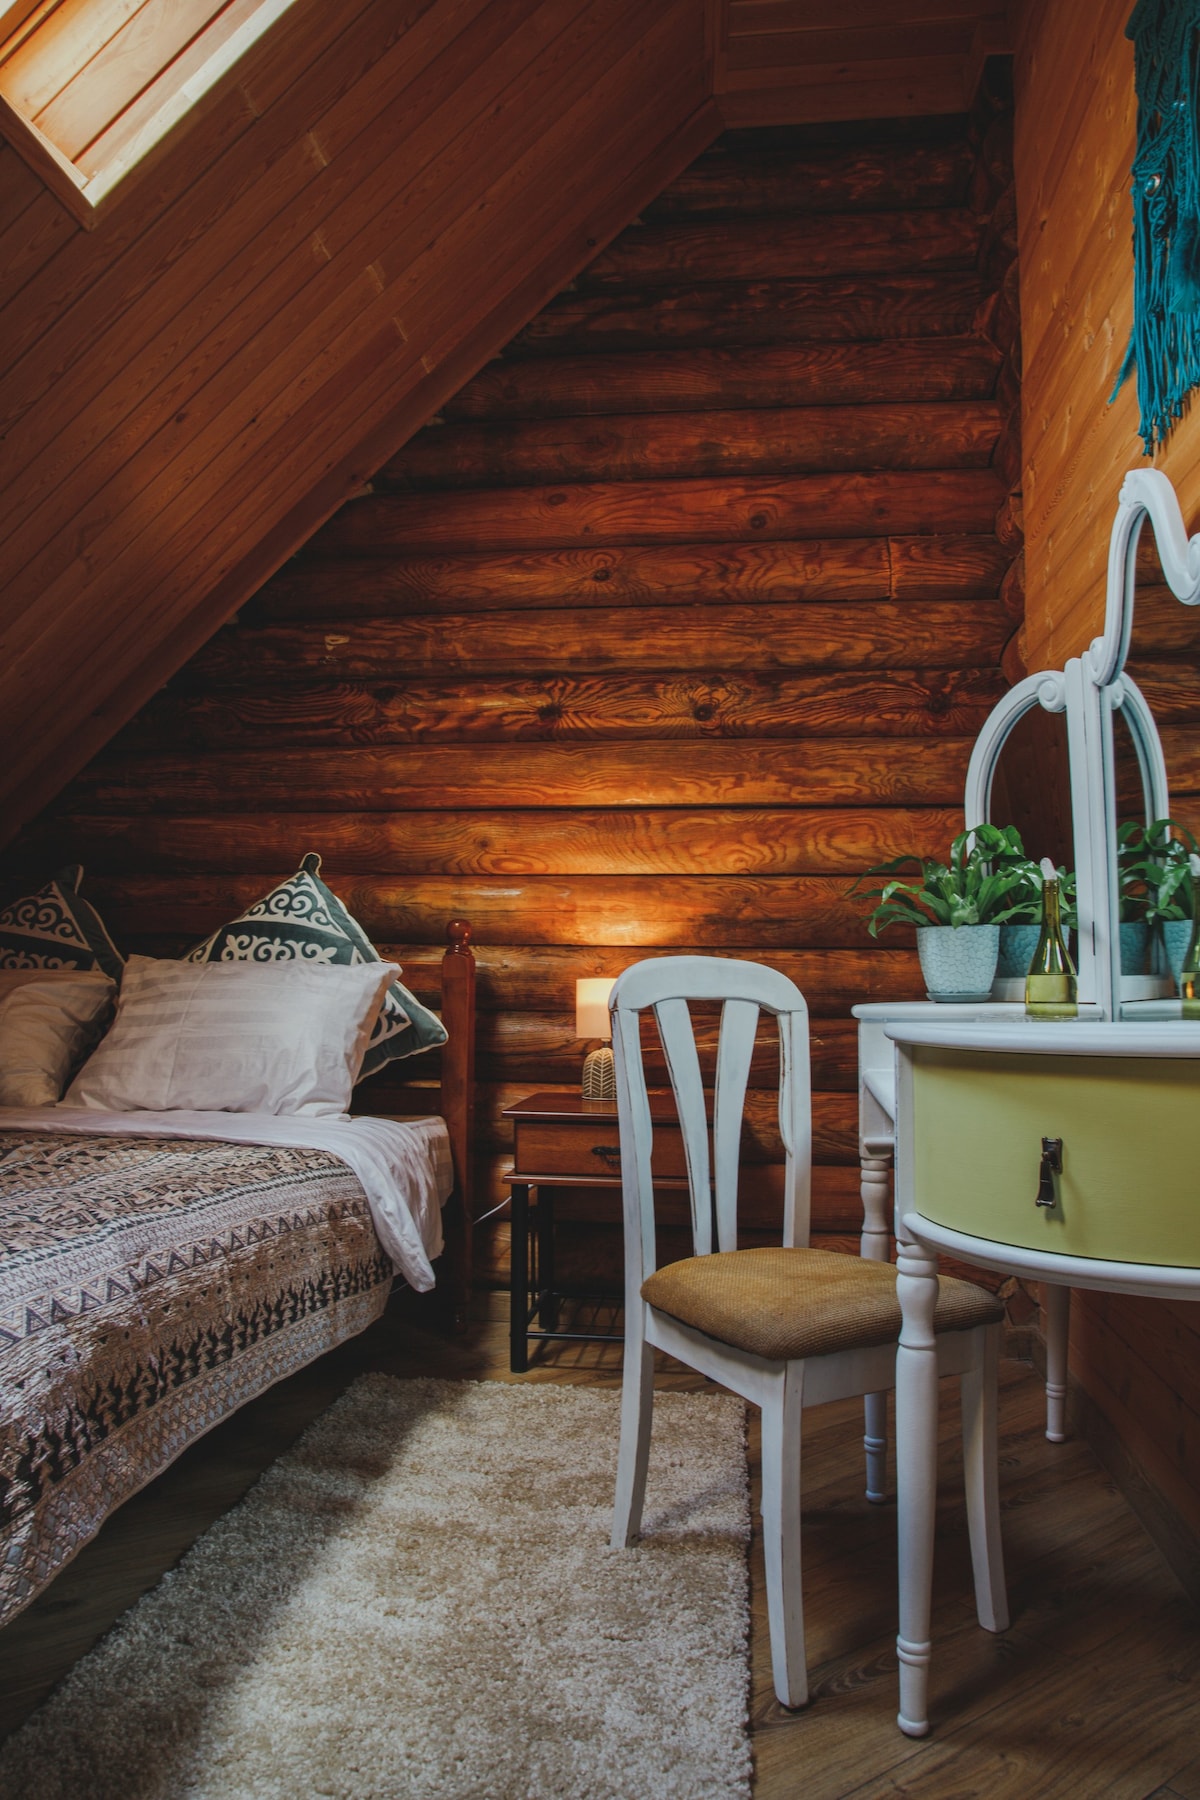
{"x": 458, "y": 1109}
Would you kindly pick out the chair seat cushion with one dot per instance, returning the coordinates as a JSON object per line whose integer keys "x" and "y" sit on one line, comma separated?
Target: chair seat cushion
{"x": 785, "y": 1304}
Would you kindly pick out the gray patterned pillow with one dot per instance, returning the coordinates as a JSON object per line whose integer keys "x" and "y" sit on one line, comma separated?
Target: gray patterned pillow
{"x": 303, "y": 919}
{"x": 57, "y": 929}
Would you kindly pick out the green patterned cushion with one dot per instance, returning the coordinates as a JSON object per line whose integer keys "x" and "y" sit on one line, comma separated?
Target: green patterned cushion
{"x": 57, "y": 929}
{"x": 304, "y": 919}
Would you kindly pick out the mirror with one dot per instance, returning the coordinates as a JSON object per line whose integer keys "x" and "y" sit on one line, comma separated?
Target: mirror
{"x": 1163, "y": 659}
{"x": 1029, "y": 768}
{"x": 1031, "y": 789}
{"x": 1148, "y": 639}
{"x": 1092, "y": 796}
{"x": 1031, "y": 786}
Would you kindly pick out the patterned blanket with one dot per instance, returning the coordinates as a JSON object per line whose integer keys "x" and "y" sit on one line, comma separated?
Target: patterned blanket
{"x": 148, "y": 1287}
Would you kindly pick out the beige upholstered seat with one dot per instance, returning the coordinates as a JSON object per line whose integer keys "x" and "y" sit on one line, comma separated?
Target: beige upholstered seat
{"x": 781, "y": 1304}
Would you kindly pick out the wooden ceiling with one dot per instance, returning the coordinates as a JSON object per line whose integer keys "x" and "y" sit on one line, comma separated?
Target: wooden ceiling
{"x": 365, "y": 207}
{"x": 794, "y": 62}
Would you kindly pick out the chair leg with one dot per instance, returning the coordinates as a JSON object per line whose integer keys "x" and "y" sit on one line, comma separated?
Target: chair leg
{"x": 781, "y": 1416}
{"x": 982, "y": 1481}
{"x": 1058, "y": 1330}
{"x": 875, "y": 1444}
{"x": 637, "y": 1411}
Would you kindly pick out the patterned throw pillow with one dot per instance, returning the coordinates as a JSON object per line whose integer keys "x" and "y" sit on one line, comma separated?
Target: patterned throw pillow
{"x": 303, "y": 919}
{"x": 57, "y": 929}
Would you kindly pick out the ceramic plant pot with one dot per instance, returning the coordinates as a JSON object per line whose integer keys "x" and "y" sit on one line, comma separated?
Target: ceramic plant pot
{"x": 958, "y": 961}
{"x": 1177, "y": 935}
{"x": 1017, "y": 945}
{"x": 1135, "y": 941}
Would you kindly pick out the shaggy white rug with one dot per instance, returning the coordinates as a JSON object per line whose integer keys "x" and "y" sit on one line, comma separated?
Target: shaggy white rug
{"x": 419, "y": 1601}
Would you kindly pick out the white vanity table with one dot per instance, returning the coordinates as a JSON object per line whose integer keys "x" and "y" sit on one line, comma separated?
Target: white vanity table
{"x": 876, "y": 1148}
{"x": 1058, "y": 1151}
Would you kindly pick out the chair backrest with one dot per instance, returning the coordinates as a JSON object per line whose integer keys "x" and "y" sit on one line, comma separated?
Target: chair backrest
{"x": 665, "y": 984}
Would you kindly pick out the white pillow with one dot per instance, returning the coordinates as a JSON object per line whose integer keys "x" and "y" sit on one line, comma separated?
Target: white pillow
{"x": 234, "y": 1037}
{"x": 48, "y": 1018}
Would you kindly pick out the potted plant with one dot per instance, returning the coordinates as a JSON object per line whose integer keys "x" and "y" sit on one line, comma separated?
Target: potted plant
{"x": 957, "y": 907}
{"x": 1157, "y": 891}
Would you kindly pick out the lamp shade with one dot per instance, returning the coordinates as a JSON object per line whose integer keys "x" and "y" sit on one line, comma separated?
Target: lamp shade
{"x": 591, "y": 1007}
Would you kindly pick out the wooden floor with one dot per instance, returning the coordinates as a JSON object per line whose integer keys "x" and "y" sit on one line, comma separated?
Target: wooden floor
{"x": 1095, "y": 1690}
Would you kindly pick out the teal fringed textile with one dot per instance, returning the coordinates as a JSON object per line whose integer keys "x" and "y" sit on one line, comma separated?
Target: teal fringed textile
{"x": 1164, "y": 344}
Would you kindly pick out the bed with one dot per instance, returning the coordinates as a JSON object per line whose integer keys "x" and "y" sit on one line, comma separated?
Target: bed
{"x": 159, "y": 1269}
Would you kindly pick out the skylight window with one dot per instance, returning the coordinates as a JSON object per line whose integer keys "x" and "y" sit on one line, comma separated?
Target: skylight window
{"x": 90, "y": 88}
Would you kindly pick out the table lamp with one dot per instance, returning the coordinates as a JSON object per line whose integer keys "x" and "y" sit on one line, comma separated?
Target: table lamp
{"x": 592, "y": 1021}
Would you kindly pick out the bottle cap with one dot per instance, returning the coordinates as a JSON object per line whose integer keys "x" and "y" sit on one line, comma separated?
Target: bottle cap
{"x": 1049, "y": 872}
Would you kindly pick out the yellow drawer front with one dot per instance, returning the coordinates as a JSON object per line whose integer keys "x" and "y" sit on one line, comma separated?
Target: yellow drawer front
{"x": 1130, "y": 1184}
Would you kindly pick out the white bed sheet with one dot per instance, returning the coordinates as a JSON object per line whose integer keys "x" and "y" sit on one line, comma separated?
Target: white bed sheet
{"x": 403, "y": 1165}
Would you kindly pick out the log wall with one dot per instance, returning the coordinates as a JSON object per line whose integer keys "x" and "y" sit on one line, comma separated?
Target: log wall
{"x": 1075, "y": 133}
{"x": 682, "y": 613}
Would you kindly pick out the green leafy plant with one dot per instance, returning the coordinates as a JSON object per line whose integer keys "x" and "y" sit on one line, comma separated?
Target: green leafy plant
{"x": 1027, "y": 896}
{"x": 1154, "y": 875}
{"x": 984, "y": 881}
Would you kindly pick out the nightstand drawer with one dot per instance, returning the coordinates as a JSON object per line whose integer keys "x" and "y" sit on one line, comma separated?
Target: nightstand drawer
{"x": 589, "y": 1147}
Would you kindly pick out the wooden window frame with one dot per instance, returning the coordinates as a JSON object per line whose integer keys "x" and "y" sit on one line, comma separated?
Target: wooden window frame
{"x": 87, "y": 195}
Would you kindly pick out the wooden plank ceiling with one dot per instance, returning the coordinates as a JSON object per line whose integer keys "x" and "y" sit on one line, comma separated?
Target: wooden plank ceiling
{"x": 364, "y": 209}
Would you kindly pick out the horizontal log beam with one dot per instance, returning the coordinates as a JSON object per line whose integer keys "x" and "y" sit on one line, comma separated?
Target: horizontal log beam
{"x": 944, "y": 568}
{"x": 850, "y": 180}
{"x": 667, "y": 381}
{"x": 543, "y": 1047}
{"x": 783, "y": 248}
{"x": 643, "y": 841}
{"x": 619, "y": 575}
{"x": 936, "y": 567}
{"x": 532, "y": 977}
{"x": 1172, "y": 688}
{"x": 611, "y": 708}
{"x": 831, "y": 772}
{"x": 758, "y": 312}
{"x": 718, "y": 641}
{"x": 648, "y": 912}
{"x": 637, "y": 447}
{"x": 835, "y": 1132}
{"x": 682, "y": 512}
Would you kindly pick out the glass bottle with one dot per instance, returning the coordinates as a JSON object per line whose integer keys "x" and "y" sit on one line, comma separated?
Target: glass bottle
{"x": 1189, "y": 978}
{"x": 1189, "y": 974}
{"x": 1051, "y": 987}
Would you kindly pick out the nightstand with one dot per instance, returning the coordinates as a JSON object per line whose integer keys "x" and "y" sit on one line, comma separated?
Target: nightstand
{"x": 562, "y": 1142}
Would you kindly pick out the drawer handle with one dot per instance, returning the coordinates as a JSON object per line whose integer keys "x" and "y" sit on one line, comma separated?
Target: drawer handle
{"x": 608, "y": 1153}
{"x": 1050, "y": 1166}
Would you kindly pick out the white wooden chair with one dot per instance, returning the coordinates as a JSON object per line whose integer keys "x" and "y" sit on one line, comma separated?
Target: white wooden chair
{"x": 784, "y": 1328}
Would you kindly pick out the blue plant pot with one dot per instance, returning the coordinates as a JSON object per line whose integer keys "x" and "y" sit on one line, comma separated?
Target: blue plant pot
{"x": 958, "y": 961}
{"x": 1135, "y": 943}
{"x": 1177, "y": 935}
{"x": 1017, "y": 945}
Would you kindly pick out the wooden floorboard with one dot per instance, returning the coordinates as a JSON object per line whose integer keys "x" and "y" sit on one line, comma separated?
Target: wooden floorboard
{"x": 1094, "y": 1691}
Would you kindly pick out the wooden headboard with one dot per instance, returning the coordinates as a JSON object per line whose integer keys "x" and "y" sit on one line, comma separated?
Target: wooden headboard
{"x": 451, "y": 985}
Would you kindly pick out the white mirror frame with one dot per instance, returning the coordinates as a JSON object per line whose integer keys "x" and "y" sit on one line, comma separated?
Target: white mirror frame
{"x": 1145, "y": 494}
{"x": 1088, "y": 691}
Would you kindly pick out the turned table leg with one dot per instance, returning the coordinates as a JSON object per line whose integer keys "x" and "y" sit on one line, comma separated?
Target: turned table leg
{"x": 916, "y": 1476}
{"x": 1057, "y": 1301}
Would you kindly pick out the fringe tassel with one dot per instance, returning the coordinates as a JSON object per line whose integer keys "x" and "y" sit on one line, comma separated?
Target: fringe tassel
{"x": 1164, "y": 345}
